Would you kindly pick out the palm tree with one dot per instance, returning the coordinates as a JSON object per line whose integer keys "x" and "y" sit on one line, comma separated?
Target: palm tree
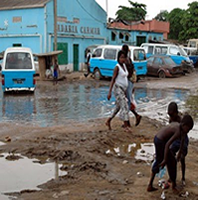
{"x": 135, "y": 13}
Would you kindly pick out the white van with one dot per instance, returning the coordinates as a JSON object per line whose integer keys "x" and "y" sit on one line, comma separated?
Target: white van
{"x": 18, "y": 70}
{"x": 104, "y": 60}
{"x": 178, "y": 55}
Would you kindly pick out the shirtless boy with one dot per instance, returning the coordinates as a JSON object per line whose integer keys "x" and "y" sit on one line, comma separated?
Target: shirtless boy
{"x": 162, "y": 141}
{"x": 175, "y": 117}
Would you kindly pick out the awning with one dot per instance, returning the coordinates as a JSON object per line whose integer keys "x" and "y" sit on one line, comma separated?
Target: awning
{"x": 52, "y": 53}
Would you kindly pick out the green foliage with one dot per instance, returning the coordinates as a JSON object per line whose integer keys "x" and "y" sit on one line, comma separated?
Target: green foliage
{"x": 184, "y": 23}
{"x": 174, "y": 18}
{"x": 189, "y": 22}
{"x": 162, "y": 16}
{"x": 135, "y": 13}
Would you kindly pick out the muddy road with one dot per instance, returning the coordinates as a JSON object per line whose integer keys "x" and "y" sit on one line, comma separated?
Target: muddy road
{"x": 90, "y": 162}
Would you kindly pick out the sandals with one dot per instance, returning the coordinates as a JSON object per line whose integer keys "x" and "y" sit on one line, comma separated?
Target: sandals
{"x": 138, "y": 119}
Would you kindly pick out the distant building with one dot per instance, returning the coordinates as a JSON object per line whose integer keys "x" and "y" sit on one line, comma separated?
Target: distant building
{"x": 136, "y": 33}
{"x": 80, "y": 23}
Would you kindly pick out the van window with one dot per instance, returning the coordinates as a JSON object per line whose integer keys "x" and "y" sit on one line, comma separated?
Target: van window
{"x": 139, "y": 54}
{"x": 110, "y": 54}
{"x": 160, "y": 50}
{"x": 97, "y": 53}
{"x": 174, "y": 50}
{"x": 157, "y": 50}
{"x": 18, "y": 60}
{"x": 150, "y": 49}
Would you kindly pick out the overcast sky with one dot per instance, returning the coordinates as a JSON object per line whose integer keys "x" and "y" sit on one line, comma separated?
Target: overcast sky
{"x": 153, "y": 6}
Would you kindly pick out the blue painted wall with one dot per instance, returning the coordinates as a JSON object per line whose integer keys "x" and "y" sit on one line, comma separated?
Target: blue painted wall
{"x": 80, "y": 22}
{"x": 132, "y": 36}
{"x": 28, "y": 32}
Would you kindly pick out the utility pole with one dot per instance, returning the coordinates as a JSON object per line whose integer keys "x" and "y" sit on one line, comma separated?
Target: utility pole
{"x": 107, "y": 7}
{"x": 55, "y": 25}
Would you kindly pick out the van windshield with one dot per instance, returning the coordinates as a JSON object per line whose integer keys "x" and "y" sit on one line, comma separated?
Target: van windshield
{"x": 18, "y": 60}
{"x": 182, "y": 52}
{"x": 139, "y": 55}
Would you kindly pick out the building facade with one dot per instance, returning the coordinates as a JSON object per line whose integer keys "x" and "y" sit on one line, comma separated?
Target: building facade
{"x": 80, "y": 23}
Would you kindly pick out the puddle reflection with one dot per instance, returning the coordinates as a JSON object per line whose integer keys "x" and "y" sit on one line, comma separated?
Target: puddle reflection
{"x": 141, "y": 152}
{"x": 21, "y": 171}
{"x": 65, "y": 103}
{"x": 146, "y": 152}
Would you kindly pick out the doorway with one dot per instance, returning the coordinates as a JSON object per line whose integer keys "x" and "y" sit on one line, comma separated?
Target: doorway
{"x": 76, "y": 57}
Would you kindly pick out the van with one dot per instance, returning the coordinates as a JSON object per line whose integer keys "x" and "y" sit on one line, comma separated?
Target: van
{"x": 18, "y": 70}
{"x": 192, "y": 52}
{"x": 104, "y": 60}
{"x": 193, "y": 43}
{"x": 178, "y": 55}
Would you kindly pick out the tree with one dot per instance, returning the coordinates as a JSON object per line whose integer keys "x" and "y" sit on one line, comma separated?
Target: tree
{"x": 162, "y": 16}
{"x": 189, "y": 22}
{"x": 174, "y": 18}
{"x": 135, "y": 13}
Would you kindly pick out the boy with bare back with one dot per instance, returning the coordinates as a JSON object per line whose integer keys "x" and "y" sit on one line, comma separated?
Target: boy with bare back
{"x": 162, "y": 141}
{"x": 175, "y": 117}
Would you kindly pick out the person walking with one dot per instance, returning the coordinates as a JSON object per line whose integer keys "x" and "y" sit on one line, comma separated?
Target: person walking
{"x": 88, "y": 56}
{"x": 131, "y": 80}
{"x": 119, "y": 84}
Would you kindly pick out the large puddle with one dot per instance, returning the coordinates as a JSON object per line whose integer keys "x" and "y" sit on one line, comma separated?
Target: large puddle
{"x": 57, "y": 105}
{"x": 60, "y": 104}
{"x": 24, "y": 173}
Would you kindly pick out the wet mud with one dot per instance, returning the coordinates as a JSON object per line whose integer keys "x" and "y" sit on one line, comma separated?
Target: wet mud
{"x": 98, "y": 163}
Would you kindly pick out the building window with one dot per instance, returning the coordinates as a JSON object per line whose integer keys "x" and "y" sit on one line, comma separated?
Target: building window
{"x": 17, "y": 19}
{"x": 126, "y": 38}
{"x": 62, "y": 19}
{"x": 121, "y": 35}
{"x": 113, "y": 36}
{"x": 150, "y": 37}
{"x": 76, "y": 20}
{"x": 17, "y": 45}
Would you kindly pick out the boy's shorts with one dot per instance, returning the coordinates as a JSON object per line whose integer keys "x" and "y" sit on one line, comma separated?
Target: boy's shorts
{"x": 176, "y": 146}
{"x": 55, "y": 74}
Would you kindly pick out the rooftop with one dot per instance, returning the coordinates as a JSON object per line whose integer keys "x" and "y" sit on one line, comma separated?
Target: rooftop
{"x": 21, "y": 4}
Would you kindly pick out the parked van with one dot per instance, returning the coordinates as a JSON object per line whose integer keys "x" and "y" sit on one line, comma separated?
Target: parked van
{"x": 18, "y": 70}
{"x": 104, "y": 60}
{"x": 193, "y": 54}
{"x": 193, "y": 43}
{"x": 178, "y": 55}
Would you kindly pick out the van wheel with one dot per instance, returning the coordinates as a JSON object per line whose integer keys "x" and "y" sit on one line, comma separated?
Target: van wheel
{"x": 161, "y": 74}
{"x": 97, "y": 74}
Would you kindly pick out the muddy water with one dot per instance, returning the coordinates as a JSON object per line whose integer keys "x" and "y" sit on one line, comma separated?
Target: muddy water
{"x": 24, "y": 173}
{"x": 60, "y": 104}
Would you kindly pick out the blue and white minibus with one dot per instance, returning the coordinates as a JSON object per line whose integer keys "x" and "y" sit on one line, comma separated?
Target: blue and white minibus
{"x": 18, "y": 70}
{"x": 177, "y": 54}
{"x": 104, "y": 60}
